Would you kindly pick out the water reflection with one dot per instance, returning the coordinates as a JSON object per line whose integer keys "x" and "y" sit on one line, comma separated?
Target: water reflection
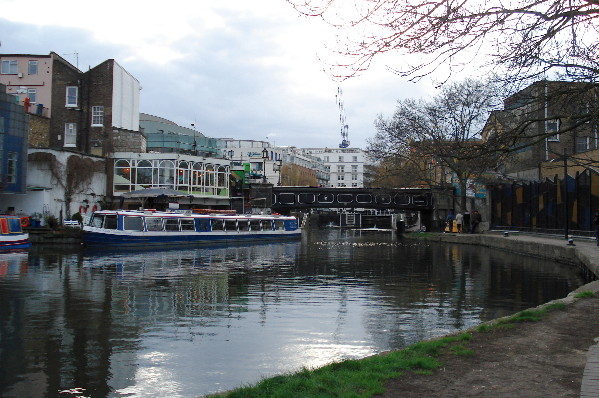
{"x": 183, "y": 323}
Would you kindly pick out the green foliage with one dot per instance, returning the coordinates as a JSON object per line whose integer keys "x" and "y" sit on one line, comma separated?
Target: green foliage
{"x": 77, "y": 217}
{"x": 461, "y": 350}
{"x": 585, "y": 294}
{"x": 51, "y": 221}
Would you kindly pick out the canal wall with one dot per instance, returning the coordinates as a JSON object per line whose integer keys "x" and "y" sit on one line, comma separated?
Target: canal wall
{"x": 583, "y": 254}
{"x": 66, "y": 236}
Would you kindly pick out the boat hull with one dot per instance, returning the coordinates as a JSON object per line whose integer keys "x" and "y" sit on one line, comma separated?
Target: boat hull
{"x": 93, "y": 237}
{"x": 16, "y": 241}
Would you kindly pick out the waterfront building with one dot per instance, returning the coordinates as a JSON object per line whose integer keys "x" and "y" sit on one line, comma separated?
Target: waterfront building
{"x": 165, "y": 136}
{"x": 203, "y": 182}
{"x": 94, "y": 112}
{"x": 14, "y": 127}
{"x": 345, "y": 165}
{"x": 545, "y": 121}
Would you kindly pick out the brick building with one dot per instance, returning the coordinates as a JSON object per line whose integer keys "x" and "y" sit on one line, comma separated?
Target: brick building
{"x": 84, "y": 111}
{"x": 543, "y": 122}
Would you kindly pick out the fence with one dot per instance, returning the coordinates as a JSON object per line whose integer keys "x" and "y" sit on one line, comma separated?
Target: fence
{"x": 543, "y": 206}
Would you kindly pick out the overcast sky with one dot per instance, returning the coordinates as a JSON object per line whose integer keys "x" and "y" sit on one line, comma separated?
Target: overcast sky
{"x": 236, "y": 68}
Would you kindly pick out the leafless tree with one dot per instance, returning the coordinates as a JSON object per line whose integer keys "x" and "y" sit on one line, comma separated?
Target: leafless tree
{"x": 443, "y": 134}
{"x": 523, "y": 40}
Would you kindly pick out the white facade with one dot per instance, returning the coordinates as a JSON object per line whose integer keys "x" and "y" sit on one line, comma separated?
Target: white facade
{"x": 345, "y": 165}
{"x": 46, "y": 193}
{"x": 250, "y": 151}
{"x": 125, "y": 99}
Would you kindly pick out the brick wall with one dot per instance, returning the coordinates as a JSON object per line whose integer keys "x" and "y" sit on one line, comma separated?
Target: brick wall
{"x": 64, "y": 75}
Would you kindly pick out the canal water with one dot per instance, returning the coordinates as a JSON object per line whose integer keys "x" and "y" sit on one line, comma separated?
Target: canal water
{"x": 188, "y": 322}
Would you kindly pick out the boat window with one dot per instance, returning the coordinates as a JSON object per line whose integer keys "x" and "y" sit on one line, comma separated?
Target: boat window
{"x": 279, "y": 225}
{"x": 187, "y": 224}
{"x": 244, "y": 225}
{"x": 217, "y": 224}
{"x": 133, "y": 224}
{"x": 14, "y": 225}
{"x": 230, "y": 225}
{"x": 171, "y": 224}
{"x": 153, "y": 224}
{"x": 256, "y": 225}
{"x": 110, "y": 222}
{"x": 204, "y": 225}
{"x": 96, "y": 221}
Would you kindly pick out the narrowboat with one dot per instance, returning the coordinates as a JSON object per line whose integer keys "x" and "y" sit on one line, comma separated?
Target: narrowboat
{"x": 142, "y": 228}
{"x": 12, "y": 235}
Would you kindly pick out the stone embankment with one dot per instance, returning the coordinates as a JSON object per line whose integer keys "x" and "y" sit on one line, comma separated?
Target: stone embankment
{"x": 582, "y": 252}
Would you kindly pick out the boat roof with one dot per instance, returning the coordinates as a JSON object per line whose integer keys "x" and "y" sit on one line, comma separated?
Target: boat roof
{"x": 178, "y": 214}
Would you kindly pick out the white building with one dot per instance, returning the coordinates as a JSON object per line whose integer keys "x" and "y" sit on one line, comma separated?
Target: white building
{"x": 345, "y": 165}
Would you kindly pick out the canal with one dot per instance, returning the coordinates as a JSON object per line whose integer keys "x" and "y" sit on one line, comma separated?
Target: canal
{"x": 188, "y": 322}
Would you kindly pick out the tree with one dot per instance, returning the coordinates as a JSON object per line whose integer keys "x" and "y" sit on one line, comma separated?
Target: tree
{"x": 522, "y": 40}
{"x": 428, "y": 137}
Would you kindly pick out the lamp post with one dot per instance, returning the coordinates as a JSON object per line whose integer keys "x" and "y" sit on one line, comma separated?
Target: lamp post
{"x": 277, "y": 168}
{"x": 264, "y": 157}
{"x": 194, "y": 145}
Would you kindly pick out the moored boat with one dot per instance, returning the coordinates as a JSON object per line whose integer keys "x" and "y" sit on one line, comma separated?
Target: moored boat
{"x": 149, "y": 227}
{"x": 12, "y": 235}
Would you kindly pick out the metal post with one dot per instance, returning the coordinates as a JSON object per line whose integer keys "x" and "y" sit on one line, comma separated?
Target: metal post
{"x": 566, "y": 200}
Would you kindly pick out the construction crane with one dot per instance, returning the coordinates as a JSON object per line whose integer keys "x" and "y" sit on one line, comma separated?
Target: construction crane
{"x": 344, "y": 126}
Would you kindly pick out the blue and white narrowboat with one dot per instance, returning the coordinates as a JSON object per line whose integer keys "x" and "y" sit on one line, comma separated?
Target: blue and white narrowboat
{"x": 112, "y": 228}
{"x": 12, "y": 235}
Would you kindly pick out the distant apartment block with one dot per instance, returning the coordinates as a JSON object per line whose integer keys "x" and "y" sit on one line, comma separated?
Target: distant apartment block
{"x": 345, "y": 165}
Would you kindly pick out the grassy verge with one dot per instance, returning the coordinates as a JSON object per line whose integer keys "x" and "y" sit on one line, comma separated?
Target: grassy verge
{"x": 357, "y": 378}
{"x": 522, "y": 316}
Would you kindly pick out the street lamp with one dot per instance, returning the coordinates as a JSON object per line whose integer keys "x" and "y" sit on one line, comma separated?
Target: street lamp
{"x": 277, "y": 168}
{"x": 264, "y": 157}
{"x": 194, "y": 145}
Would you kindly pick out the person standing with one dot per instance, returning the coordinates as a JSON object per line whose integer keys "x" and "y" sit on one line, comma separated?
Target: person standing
{"x": 475, "y": 219}
{"x": 459, "y": 220}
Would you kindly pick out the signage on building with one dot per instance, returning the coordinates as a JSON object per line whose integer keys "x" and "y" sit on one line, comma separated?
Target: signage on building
{"x": 473, "y": 189}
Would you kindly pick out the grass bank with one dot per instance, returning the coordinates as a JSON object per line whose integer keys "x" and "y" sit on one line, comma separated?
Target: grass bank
{"x": 366, "y": 377}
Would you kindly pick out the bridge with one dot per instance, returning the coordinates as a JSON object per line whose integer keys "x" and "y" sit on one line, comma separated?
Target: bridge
{"x": 288, "y": 198}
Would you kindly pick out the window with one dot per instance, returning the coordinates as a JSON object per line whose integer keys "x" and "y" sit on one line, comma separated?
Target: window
{"x": 11, "y": 168}
{"x": 72, "y": 96}
{"x": 187, "y": 224}
{"x": 153, "y": 224}
{"x": 70, "y": 134}
{"x": 340, "y": 177}
{"x": 341, "y": 159}
{"x": 32, "y": 68}
{"x": 354, "y": 184}
{"x": 582, "y": 144}
{"x": 9, "y": 67}
{"x": 32, "y": 94}
{"x": 354, "y": 177}
{"x": 354, "y": 159}
{"x": 171, "y": 224}
{"x": 133, "y": 224}
{"x": 97, "y": 116}
{"x": 354, "y": 168}
{"x": 111, "y": 222}
{"x": 340, "y": 169}
{"x": 552, "y": 126}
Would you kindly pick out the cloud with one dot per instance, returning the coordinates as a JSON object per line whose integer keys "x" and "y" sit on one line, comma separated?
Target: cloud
{"x": 235, "y": 69}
